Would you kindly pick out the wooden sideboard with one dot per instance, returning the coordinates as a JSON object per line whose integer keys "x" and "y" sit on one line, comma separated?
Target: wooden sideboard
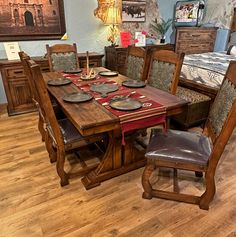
{"x": 115, "y": 57}
{"x": 195, "y": 39}
{"x": 17, "y": 87}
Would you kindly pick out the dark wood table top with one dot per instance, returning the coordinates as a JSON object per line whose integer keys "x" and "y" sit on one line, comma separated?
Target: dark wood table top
{"x": 91, "y": 117}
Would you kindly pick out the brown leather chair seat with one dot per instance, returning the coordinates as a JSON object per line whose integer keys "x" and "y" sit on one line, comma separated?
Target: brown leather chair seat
{"x": 71, "y": 134}
{"x": 178, "y": 147}
{"x": 191, "y": 151}
{"x": 60, "y": 135}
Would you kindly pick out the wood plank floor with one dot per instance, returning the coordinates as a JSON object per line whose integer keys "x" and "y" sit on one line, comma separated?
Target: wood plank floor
{"x": 33, "y": 204}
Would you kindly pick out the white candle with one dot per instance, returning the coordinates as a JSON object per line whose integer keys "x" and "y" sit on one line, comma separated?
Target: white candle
{"x": 87, "y": 60}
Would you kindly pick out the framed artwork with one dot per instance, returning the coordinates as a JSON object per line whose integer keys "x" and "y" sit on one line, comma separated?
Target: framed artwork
{"x": 134, "y": 11}
{"x": 187, "y": 12}
{"x": 31, "y": 20}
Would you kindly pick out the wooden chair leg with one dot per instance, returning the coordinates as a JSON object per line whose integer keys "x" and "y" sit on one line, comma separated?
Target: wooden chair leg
{"x": 175, "y": 177}
{"x": 50, "y": 149}
{"x": 53, "y": 154}
{"x": 147, "y": 194}
{"x": 41, "y": 127}
{"x": 208, "y": 195}
{"x": 60, "y": 167}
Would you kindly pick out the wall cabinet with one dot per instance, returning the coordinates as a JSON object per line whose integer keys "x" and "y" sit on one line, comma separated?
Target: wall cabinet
{"x": 195, "y": 39}
{"x": 115, "y": 57}
{"x": 17, "y": 87}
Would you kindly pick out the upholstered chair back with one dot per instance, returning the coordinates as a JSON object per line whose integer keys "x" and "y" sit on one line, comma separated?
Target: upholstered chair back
{"x": 136, "y": 63}
{"x": 164, "y": 70}
{"x": 62, "y": 57}
{"x": 223, "y": 107}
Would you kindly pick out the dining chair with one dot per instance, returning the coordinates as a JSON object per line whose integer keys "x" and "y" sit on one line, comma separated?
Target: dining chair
{"x": 199, "y": 152}
{"x": 24, "y": 58}
{"x": 62, "y": 57}
{"x": 164, "y": 70}
{"x": 136, "y": 63}
{"x": 62, "y": 135}
{"x": 59, "y": 114}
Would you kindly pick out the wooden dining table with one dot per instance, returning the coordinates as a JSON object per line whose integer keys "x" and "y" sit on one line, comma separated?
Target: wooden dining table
{"x": 92, "y": 117}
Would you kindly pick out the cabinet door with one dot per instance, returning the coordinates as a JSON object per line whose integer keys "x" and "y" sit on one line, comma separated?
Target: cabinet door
{"x": 19, "y": 98}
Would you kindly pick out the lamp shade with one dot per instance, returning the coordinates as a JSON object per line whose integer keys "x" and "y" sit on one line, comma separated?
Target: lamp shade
{"x": 112, "y": 16}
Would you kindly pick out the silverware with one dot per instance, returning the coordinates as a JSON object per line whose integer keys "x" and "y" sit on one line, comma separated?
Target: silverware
{"x": 131, "y": 93}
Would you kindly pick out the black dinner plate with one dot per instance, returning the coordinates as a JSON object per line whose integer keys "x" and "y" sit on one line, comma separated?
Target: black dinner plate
{"x": 125, "y": 103}
{"x": 74, "y": 71}
{"x": 77, "y": 97}
{"x": 59, "y": 81}
{"x": 134, "y": 83}
{"x": 108, "y": 73}
{"x": 104, "y": 88}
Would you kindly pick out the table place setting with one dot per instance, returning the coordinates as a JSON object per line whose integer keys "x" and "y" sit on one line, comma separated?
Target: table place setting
{"x": 61, "y": 81}
{"x": 134, "y": 83}
{"x": 124, "y": 103}
{"x": 108, "y": 73}
{"x": 134, "y": 110}
{"x": 73, "y": 71}
{"x": 100, "y": 87}
{"x": 104, "y": 88}
{"x": 77, "y": 97}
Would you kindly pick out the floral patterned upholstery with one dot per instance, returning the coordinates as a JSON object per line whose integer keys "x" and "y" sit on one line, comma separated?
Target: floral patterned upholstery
{"x": 197, "y": 110}
{"x": 191, "y": 95}
{"x": 64, "y": 61}
{"x": 222, "y": 105}
{"x": 135, "y": 67}
{"x": 161, "y": 75}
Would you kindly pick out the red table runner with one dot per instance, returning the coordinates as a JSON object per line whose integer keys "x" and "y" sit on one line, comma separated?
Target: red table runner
{"x": 150, "y": 114}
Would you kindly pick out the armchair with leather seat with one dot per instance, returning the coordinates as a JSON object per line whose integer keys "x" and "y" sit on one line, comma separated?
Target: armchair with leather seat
{"x": 24, "y": 57}
{"x": 200, "y": 153}
{"x": 62, "y": 136}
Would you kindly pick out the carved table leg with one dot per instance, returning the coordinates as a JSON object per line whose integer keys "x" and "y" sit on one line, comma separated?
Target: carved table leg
{"x": 111, "y": 161}
{"x": 117, "y": 160}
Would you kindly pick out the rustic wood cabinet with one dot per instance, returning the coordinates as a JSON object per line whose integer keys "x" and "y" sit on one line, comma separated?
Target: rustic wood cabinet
{"x": 115, "y": 57}
{"x": 195, "y": 39}
{"x": 17, "y": 87}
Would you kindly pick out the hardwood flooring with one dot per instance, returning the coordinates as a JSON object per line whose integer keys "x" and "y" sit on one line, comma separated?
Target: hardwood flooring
{"x": 33, "y": 204}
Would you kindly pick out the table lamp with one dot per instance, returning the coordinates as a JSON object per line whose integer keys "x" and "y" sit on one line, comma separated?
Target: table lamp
{"x": 113, "y": 18}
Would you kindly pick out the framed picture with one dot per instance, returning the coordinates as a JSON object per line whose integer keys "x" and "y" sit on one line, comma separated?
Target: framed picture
{"x": 187, "y": 12}
{"x": 31, "y": 20}
{"x": 134, "y": 11}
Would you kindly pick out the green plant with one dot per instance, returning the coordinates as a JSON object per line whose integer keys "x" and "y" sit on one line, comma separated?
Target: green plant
{"x": 161, "y": 27}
